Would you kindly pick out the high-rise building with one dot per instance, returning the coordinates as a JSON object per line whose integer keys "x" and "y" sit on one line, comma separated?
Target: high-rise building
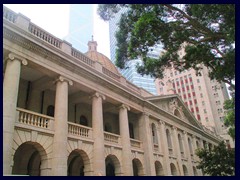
{"x": 81, "y": 25}
{"x": 204, "y": 97}
{"x": 130, "y": 72}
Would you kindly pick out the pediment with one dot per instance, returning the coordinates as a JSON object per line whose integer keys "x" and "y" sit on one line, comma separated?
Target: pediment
{"x": 174, "y": 105}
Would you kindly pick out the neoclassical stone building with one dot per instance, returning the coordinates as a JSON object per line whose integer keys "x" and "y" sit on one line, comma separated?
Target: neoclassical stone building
{"x": 69, "y": 113}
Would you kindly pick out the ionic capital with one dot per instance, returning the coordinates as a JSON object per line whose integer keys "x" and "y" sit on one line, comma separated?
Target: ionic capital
{"x": 146, "y": 114}
{"x": 124, "y": 106}
{"x": 64, "y": 79}
{"x": 174, "y": 127}
{"x": 162, "y": 122}
{"x": 13, "y": 56}
{"x": 98, "y": 95}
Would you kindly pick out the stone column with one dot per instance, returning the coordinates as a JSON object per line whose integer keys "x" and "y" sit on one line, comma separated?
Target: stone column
{"x": 186, "y": 147}
{"x": 177, "y": 150}
{"x": 10, "y": 95}
{"x": 98, "y": 135}
{"x": 194, "y": 145}
{"x": 60, "y": 154}
{"x": 146, "y": 138}
{"x": 164, "y": 144}
{"x": 125, "y": 138}
{"x": 159, "y": 138}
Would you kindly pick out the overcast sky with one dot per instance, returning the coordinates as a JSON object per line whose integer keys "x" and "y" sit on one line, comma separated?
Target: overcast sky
{"x": 54, "y": 18}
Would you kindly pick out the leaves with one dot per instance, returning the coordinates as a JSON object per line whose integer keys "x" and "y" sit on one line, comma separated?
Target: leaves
{"x": 229, "y": 121}
{"x": 217, "y": 162}
{"x": 206, "y": 30}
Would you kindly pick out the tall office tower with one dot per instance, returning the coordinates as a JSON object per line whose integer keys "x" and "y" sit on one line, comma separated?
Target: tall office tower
{"x": 203, "y": 97}
{"x": 80, "y": 25}
{"x": 130, "y": 73}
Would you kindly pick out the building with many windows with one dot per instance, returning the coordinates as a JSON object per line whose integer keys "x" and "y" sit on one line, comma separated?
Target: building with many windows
{"x": 204, "y": 97}
{"x": 81, "y": 25}
{"x": 130, "y": 72}
{"x": 71, "y": 113}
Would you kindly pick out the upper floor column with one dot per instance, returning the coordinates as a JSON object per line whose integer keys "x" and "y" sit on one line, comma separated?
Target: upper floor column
{"x": 164, "y": 144}
{"x": 187, "y": 150}
{"x": 177, "y": 148}
{"x": 126, "y": 146}
{"x": 146, "y": 137}
{"x": 59, "y": 157}
{"x": 10, "y": 95}
{"x": 98, "y": 135}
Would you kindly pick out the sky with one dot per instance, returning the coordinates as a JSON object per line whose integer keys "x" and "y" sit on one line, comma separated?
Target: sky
{"x": 54, "y": 18}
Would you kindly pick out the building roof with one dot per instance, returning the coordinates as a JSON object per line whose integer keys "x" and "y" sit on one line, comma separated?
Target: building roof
{"x": 99, "y": 57}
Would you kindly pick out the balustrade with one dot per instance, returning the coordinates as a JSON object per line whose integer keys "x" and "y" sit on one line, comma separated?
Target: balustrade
{"x": 44, "y": 35}
{"x": 34, "y": 119}
{"x": 111, "y": 74}
{"x": 155, "y": 147}
{"x": 110, "y": 137}
{"x": 9, "y": 15}
{"x": 133, "y": 87}
{"x": 79, "y": 130}
{"x": 135, "y": 143}
{"x": 75, "y": 53}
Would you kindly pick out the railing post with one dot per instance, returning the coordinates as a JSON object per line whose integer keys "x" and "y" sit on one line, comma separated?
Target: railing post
{"x": 22, "y": 21}
{"x": 66, "y": 47}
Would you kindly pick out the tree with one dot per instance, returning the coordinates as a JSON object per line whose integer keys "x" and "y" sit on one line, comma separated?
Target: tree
{"x": 206, "y": 31}
{"x": 217, "y": 162}
{"x": 229, "y": 121}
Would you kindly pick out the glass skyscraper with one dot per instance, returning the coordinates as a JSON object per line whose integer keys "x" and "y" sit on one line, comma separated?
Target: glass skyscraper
{"x": 80, "y": 26}
{"x": 130, "y": 73}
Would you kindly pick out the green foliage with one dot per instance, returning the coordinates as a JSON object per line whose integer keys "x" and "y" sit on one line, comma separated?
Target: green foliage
{"x": 207, "y": 31}
{"x": 217, "y": 162}
{"x": 229, "y": 121}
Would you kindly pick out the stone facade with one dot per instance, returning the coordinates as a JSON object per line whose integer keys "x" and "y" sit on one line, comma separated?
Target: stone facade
{"x": 66, "y": 114}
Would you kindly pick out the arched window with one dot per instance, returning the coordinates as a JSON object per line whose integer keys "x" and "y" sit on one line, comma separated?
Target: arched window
{"x": 190, "y": 146}
{"x": 154, "y": 134}
{"x": 197, "y": 143}
{"x": 173, "y": 169}
{"x": 195, "y": 171}
{"x": 169, "y": 141}
{"x": 185, "y": 171}
{"x": 131, "y": 132}
{"x": 83, "y": 121}
{"x": 180, "y": 143}
{"x": 50, "y": 110}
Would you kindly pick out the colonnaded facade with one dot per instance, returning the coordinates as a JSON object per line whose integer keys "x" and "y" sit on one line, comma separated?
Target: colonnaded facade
{"x": 69, "y": 113}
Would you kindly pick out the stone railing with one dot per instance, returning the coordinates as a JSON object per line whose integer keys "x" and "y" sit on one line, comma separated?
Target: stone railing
{"x": 133, "y": 87}
{"x": 110, "y": 74}
{"x": 135, "y": 143}
{"x": 170, "y": 150}
{"x": 35, "y": 119}
{"x": 155, "y": 147}
{"x": 25, "y": 24}
{"x": 9, "y": 15}
{"x": 79, "y": 130}
{"x": 44, "y": 35}
{"x": 110, "y": 137}
{"x": 75, "y": 53}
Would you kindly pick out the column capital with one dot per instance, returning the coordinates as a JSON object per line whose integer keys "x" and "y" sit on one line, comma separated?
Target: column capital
{"x": 162, "y": 122}
{"x": 62, "y": 79}
{"x": 13, "y": 56}
{"x": 174, "y": 128}
{"x": 124, "y": 106}
{"x": 145, "y": 114}
{"x": 185, "y": 132}
{"x": 98, "y": 95}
